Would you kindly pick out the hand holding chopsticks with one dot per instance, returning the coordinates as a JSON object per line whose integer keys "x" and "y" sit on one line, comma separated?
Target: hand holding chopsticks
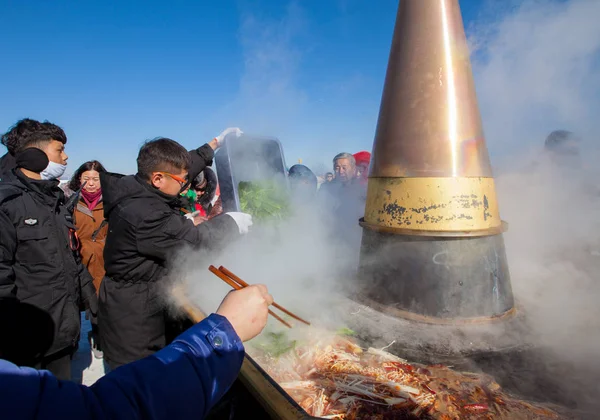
{"x": 237, "y": 283}
{"x": 246, "y": 310}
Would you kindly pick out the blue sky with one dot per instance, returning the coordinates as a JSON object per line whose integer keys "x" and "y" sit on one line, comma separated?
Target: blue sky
{"x": 115, "y": 73}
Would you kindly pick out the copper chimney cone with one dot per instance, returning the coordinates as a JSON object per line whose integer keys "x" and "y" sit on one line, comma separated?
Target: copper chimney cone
{"x": 432, "y": 247}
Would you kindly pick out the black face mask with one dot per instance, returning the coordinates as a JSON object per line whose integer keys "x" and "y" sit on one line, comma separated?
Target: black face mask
{"x": 32, "y": 159}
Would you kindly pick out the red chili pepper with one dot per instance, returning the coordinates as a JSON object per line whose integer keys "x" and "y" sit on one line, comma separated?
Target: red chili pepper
{"x": 392, "y": 366}
{"x": 429, "y": 389}
{"x": 404, "y": 367}
{"x": 476, "y": 407}
{"x": 407, "y": 368}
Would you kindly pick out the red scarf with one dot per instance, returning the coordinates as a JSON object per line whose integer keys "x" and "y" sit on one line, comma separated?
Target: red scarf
{"x": 200, "y": 210}
{"x": 91, "y": 199}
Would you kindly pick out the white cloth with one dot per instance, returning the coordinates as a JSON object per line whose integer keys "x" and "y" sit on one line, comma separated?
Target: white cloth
{"x": 190, "y": 216}
{"x": 243, "y": 220}
{"x": 236, "y": 132}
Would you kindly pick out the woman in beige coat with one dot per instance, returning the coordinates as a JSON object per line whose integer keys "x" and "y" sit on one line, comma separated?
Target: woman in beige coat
{"x": 91, "y": 229}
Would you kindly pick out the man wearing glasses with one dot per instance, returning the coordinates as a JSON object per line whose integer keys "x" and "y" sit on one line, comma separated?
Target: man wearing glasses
{"x": 146, "y": 230}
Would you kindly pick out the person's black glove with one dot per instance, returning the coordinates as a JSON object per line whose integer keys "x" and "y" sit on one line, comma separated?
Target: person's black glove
{"x": 89, "y": 299}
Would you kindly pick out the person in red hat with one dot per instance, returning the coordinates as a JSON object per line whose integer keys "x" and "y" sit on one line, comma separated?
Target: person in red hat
{"x": 363, "y": 159}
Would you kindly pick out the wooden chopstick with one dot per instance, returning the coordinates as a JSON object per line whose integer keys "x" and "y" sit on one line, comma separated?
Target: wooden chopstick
{"x": 244, "y": 284}
{"x": 236, "y": 286}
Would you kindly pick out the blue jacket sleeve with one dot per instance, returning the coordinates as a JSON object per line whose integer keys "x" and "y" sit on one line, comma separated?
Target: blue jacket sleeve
{"x": 183, "y": 380}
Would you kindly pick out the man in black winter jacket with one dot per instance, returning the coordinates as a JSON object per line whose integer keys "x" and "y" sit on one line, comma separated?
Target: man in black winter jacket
{"x": 39, "y": 260}
{"x": 146, "y": 230}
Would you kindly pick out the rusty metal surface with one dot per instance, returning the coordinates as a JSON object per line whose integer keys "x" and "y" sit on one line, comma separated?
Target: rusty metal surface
{"x": 436, "y": 233}
{"x": 431, "y": 342}
{"x": 412, "y": 316}
{"x": 459, "y": 278}
{"x": 429, "y": 123}
{"x": 433, "y": 204}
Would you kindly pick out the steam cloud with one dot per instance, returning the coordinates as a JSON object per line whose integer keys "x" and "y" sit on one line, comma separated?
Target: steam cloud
{"x": 536, "y": 70}
{"x": 540, "y": 74}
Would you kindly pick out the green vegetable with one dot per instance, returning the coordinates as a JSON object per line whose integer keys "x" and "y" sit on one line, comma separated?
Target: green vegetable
{"x": 346, "y": 332}
{"x": 264, "y": 200}
{"x": 275, "y": 344}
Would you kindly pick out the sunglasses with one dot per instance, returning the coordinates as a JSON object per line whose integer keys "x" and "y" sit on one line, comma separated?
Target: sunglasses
{"x": 182, "y": 182}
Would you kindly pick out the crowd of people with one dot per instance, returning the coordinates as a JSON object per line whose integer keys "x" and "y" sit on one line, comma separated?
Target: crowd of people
{"x": 103, "y": 245}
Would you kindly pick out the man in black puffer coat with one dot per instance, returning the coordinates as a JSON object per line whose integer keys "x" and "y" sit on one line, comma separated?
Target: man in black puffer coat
{"x": 146, "y": 230}
{"x": 39, "y": 258}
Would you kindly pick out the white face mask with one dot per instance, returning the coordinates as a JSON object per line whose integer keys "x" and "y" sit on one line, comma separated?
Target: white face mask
{"x": 53, "y": 171}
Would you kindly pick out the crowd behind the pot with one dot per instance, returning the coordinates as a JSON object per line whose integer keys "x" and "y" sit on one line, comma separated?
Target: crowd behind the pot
{"x": 101, "y": 245}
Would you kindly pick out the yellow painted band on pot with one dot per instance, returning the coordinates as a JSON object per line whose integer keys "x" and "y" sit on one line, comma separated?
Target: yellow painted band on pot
{"x": 433, "y": 204}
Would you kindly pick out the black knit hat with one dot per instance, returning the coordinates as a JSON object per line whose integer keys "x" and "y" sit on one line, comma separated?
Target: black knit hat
{"x": 562, "y": 141}
{"x": 301, "y": 172}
